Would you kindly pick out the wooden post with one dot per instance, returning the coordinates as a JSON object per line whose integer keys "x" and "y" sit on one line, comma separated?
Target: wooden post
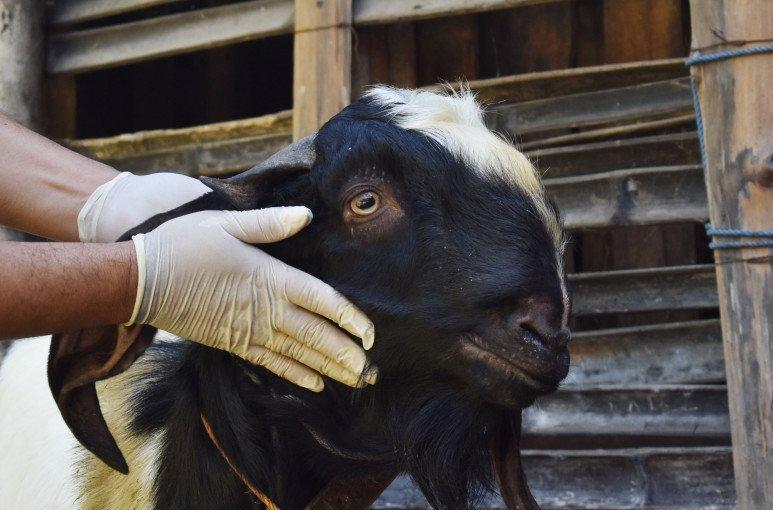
{"x": 21, "y": 67}
{"x": 736, "y": 98}
{"x": 322, "y": 63}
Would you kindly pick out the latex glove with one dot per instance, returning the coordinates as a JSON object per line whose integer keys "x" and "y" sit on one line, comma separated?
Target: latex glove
{"x": 128, "y": 200}
{"x": 198, "y": 278}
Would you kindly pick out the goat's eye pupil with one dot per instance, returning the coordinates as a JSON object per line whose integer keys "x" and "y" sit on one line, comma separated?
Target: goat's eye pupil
{"x": 365, "y": 203}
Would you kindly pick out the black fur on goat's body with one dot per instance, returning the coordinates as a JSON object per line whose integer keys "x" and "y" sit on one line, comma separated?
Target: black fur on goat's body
{"x": 467, "y": 247}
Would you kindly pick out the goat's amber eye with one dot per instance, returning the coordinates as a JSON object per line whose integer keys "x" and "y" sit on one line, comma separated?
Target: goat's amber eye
{"x": 365, "y": 203}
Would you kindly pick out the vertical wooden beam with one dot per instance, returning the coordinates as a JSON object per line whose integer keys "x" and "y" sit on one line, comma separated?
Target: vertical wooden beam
{"x": 21, "y": 68}
{"x": 736, "y": 99}
{"x": 322, "y": 62}
{"x": 447, "y": 49}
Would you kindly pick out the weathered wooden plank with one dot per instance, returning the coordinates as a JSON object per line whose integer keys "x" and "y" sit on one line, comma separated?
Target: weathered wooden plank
{"x": 630, "y": 197}
{"x": 624, "y": 104}
{"x": 540, "y": 85}
{"x": 628, "y": 414}
{"x": 66, "y": 12}
{"x": 648, "y": 151}
{"x": 737, "y": 117}
{"x": 322, "y": 63}
{"x": 676, "y": 353}
{"x": 87, "y": 50}
{"x": 644, "y": 478}
{"x": 617, "y": 131}
{"x": 214, "y": 149}
{"x": 643, "y": 290}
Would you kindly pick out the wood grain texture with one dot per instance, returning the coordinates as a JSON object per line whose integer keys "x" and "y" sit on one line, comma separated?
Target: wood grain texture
{"x": 447, "y": 50}
{"x": 737, "y": 104}
{"x": 323, "y": 62}
{"x": 65, "y": 12}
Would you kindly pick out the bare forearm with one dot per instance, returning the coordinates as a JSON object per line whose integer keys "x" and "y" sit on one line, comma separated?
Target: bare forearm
{"x": 42, "y": 184}
{"x": 54, "y": 287}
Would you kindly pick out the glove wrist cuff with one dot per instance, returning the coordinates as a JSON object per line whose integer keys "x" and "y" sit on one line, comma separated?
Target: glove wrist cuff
{"x": 88, "y": 217}
{"x": 139, "y": 250}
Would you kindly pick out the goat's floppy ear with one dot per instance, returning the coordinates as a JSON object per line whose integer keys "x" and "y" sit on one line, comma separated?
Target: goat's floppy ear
{"x": 245, "y": 188}
{"x": 505, "y": 451}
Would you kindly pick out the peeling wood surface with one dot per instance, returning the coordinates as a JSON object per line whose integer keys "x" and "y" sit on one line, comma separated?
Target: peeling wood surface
{"x": 64, "y": 12}
{"x": 640, "y": 290}
{"x": 624, "y": 104}
{"x": 643, "y": 478}
{"x": 648, "y": 151}
{"x": 630, "y": 197}
{"x": 674, "y": 353}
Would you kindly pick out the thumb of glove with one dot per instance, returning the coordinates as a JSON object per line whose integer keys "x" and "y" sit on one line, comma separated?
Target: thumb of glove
{"x": 266, "y": 225}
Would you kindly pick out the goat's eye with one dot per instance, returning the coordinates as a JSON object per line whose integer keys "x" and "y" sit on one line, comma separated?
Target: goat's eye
{"x": 365, "y": 203}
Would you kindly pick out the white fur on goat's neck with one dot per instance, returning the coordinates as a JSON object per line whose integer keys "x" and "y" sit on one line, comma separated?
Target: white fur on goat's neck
{"x": 455, "y": 121}
{"x": 42, "y": 466}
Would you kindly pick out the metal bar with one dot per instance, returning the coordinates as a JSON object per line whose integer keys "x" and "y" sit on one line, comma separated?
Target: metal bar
{"x": 631, "y": 479}
{"x": 68, "y": 12}
{"x": 644, "y": 290}
{"x": 631, "y": 197}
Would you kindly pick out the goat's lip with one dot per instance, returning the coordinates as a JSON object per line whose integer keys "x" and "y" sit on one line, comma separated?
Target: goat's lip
{"x": 473, "y": 347}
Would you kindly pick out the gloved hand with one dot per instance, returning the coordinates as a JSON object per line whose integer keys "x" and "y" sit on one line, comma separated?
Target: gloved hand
{"x": 128, "y": 200}
{"x": 198, "y": 278}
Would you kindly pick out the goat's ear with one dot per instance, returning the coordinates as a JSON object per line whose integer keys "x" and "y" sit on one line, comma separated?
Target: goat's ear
{"x": 505, "y": 449}
{"x": 244, "y": 190}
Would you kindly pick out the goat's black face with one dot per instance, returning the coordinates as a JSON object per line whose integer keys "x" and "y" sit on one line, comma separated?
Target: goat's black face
{"x": 457, "y": 266}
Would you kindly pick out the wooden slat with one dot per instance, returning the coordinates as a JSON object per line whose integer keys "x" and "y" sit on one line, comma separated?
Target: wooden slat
{"x": 540, "y": 85}
{"x": 624, "y": 104}
{"x": 87, "y": 50}
{"x": 643, "y": 290}
{"x": 649, "y": 151}
{"x": 66, "y": 12}
{"x": 617, "y": 131}
{"x": 630, "y": 197}
{"x": 676, "y": 353}
{"x": 214, "y": 149}
{"x": 643, "y": 478}
{"x": 627, "y": 415}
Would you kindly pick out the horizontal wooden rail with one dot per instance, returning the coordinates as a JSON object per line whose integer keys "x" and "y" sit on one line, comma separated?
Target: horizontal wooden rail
{"x": 644, "y": 290}
{"x": 650, "y": 151}
{"x": 669, "y": 98}
{"x": 629, "y": 414}
{"x": 67, "y": 12}
{"x": 631, "y": 197}
{"x": 87, "y": 50}
{"x": 676, "y": 353}
{"x": 544, "y": 84}
{"x": 632, "y": 479}
{"x": 213, "y": 149}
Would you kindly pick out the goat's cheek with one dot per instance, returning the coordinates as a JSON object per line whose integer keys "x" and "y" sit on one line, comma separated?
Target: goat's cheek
{"x": 390, "y": 220}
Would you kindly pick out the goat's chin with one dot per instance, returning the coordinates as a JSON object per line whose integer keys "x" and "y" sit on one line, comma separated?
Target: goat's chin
{"x": 504, "y": 383}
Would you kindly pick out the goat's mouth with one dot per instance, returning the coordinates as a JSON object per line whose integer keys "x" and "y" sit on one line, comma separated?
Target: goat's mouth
{"x": 537, "y": 375}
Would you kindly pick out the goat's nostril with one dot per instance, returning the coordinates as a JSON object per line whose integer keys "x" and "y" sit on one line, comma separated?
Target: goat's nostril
{"x": 553, "y": 338}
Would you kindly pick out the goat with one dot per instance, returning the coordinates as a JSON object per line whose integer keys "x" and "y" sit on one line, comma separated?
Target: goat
{"x": 435, "y": 227}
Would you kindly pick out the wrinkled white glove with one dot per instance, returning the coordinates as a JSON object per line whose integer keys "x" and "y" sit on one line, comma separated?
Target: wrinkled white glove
{"x": 198, "y": 278}
{"x": 128, "y": 200}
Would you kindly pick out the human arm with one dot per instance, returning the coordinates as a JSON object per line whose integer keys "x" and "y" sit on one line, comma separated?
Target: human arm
{"x": 94, "y": 285}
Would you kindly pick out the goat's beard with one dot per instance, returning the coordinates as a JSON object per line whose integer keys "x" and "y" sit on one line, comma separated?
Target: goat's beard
{"x": 442, "y": 443}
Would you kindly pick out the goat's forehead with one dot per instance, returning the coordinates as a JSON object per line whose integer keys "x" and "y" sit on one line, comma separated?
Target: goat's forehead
{"x": 455, "y": 121}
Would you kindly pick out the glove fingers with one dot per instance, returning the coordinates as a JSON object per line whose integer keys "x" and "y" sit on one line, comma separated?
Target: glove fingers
{"x": 266, "y": 225}
{"x": 297, "y": 350}
{"x": 286, "y": 368}
{"x": 318, "y": 297}
{"x": 322, "y": 336}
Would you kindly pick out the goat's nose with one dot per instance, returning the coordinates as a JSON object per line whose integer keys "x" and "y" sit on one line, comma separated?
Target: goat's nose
{"x": 541, "y": 321}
